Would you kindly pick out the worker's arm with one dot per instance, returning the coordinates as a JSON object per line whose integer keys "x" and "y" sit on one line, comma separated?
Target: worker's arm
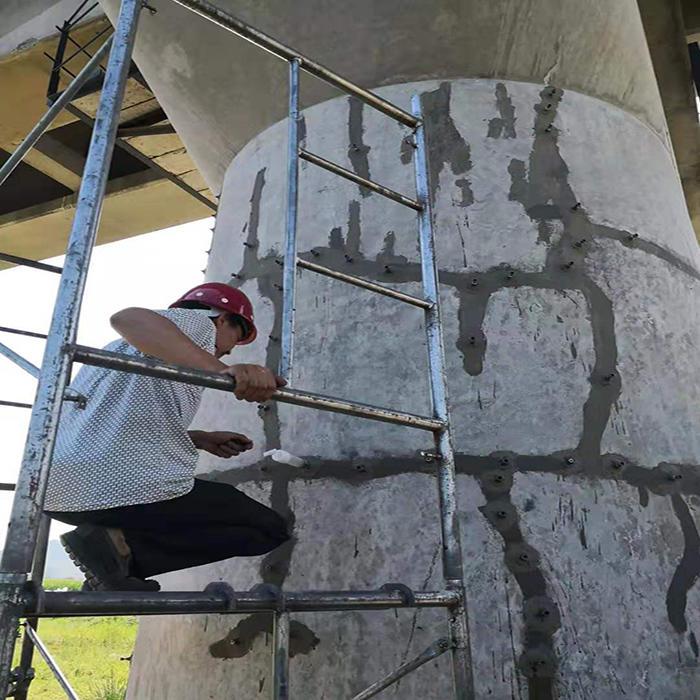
{"x": 159, "y": 337}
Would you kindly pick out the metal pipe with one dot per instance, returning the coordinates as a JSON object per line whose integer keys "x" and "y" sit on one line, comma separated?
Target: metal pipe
{"x": 449, "y": 515}
{"x": 17, "y": 331}
{"x": 432, "y": 652}
{"x": 62, "y": 680}
{"x": 37, "y": 577}
{"x": 14, "y": 404}
{"x": 365, "y": 284}
{"x": 52, "y": 112}
{"x": 7, "y": 487}
{"x": 89, "y": 603}
{"x": 276, "y": 48}
{"x": 280, "y": 656}
{"x": 15, "y": 357}
{"x": 353, "y": 177}
{"x": 27, "y": 366}
{"x": 31, "y": 484}
{"x": 289, "y": 274}
{"x": 213, "y": 380}
{"x": 26, "y": 262}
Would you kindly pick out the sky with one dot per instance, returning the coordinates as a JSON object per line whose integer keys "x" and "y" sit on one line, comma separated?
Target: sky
{"x": 150, "y": 271}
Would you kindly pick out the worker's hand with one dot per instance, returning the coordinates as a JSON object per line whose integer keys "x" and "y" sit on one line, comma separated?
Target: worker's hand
{"x": 254, "y": 383}
{"x": 221, "y": 443}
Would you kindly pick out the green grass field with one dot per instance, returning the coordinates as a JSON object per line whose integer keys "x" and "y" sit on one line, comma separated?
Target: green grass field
{"x": 89, "y": 651}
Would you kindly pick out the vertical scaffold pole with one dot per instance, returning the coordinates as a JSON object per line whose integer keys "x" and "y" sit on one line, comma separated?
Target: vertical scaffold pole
{"x": 449, "y": 516}
{"x": 31, "y": 483}
{"x": 289, "y": 277}
{"x": 280, "y": 657}
{"x": 38, "y": 568}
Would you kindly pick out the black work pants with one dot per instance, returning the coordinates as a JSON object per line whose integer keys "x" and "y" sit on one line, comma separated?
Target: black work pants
{"x": 212, "y": 522}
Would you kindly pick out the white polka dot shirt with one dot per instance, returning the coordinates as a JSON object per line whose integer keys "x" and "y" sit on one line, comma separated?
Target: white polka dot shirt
{"x": 129, "y": 444}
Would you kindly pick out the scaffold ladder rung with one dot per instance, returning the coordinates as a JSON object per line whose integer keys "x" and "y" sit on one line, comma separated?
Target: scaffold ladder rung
{"x": 365, "y": 284}
{"x": 357, "y": 179}
{"x": 223, "y": 382}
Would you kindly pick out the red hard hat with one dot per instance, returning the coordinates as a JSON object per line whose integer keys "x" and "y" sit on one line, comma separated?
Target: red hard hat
{"x": 221, "y": 296}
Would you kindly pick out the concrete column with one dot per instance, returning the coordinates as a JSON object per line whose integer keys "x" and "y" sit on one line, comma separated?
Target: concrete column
{"x": 570, "y": 282}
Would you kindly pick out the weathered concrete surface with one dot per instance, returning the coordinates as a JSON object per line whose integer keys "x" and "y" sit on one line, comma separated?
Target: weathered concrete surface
{"x": 220, "y": 91}
{"x": 567, "y": 286}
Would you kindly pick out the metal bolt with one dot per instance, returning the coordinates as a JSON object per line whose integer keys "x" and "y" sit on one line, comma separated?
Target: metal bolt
{"x": 552, "y": 92}
{"x": 504, "y": 461}
{"x": 152, "y": 11}
{"x": 262, "y": 407}
{"x": 472, "y": 340}
{"x": 608, "y": 378}
{"x": 315, "y": 253}
{"x": 274, "y": 338}
{"x": 354, "y": 147}
{"x": 475, "y": 282}
{"x": 579, "y": 244}
{"x": 617, "y": 464}
{"x": 569, "y": 265}
{"x": 249, "y": 245}
{"x": 278, "y": 286}
{"x": 548, "y": 107}
{"x": 429, "y": 456}
{"x": 570, "y": 461}
{"x": 348, "y": 258}
{"x": 675, "y": 477}
{"x": 542, "y": 613}
{"x": 280, "y": 263}
{"x": 409, "y": 140}
{"x": 524, "y": 557}
{"x": 387, "y": 269}
{"x": 633, "y": 237}
{"x": 499, "y": 478}
{"x": 510, "y": 275}
{"x": 549, "y": 128}
{"x": 360, "y": 468}
{"x": 576, "y": 206}
{"x": 501, "y": 514}
{"x": 236, "y": 276}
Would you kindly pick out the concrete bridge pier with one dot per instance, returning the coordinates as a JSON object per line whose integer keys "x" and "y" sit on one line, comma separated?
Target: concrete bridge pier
{"x": 570, "y": 290}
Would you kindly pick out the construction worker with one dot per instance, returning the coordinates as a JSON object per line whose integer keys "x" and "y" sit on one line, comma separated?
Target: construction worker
{"x": 123, "y": 466}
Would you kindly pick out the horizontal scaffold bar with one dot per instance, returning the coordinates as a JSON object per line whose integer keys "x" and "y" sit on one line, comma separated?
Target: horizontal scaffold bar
{"x": 15, "y": 404}
{"x": 27, "y": 262}
{"x": 224, "y": 382}
{"x": 276, "y": 48}
{"x": 18, "y": 331}
{"x": 353, "y": 177}
{"x": 365, "y": 284}
{"x": 84, "y": 603}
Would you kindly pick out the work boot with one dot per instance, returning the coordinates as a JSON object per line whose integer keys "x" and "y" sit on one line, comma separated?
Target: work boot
{"x": 104, "y": 556}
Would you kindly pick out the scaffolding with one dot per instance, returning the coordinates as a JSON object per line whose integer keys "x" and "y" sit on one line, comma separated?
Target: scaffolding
{"x": 21, "y": 574}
